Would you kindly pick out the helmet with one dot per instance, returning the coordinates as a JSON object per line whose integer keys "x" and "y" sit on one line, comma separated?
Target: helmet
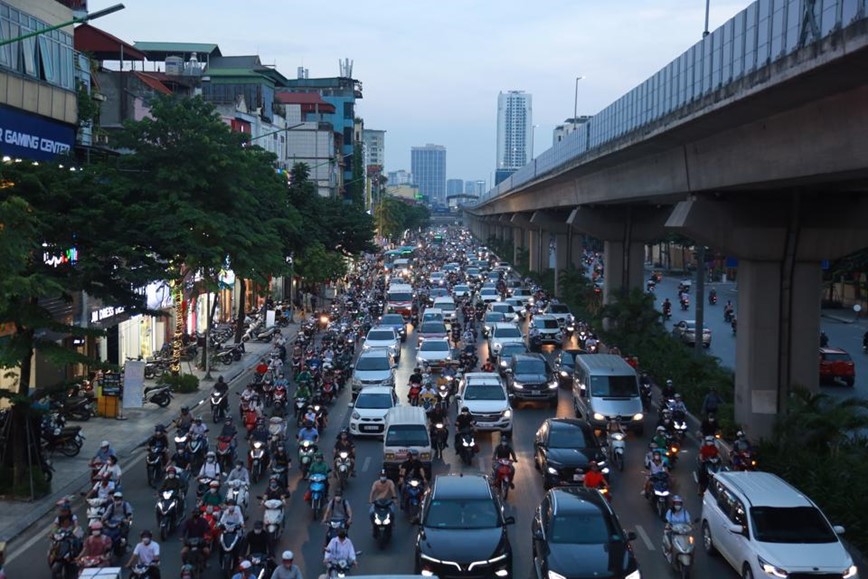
{"x": 318, "y": 455}
{"x": 228, "y": 420}
{"x": 211, "y": 453}
{"x": 677, "y": 499}
{"x": 465, "y": 409}
{"x": 231, "y": 502}
{"x": 258, "y": 526}
{"x": 504, "y": 439}
{"x": 185, "y": 409}
{"x": 146, "y": 533}
{"x": 677, "y": 396}
{"x": 669, "y": 382}
{"x": 656, "y": 453}
{"x": 159, "y": 428}
{"x": 118, "y": 495}
{"x": 661, "y": 429}
{"x": 308, "y": 424}
{"x": 95, "y": 526}
{"x": 739, "y": 434}
{"x": 171, "y": 470}
{"x": 214, "y": 484}
{"x": 344, "y": 432}
{"x": 197, "y": 419}
{"x": 104, "y": 444}
{"x": 245, "y": 565}
{"x": 709, "y": 440}
{"x": 287, "y": 556}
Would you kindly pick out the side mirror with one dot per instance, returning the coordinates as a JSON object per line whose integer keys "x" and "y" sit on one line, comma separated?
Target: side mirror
{"x": 350, "y": 404}
{"x": 631, "y": 536}
{"x": 735, "y": 529}
{"x": 538, "y": 534}
{"x": 509, "y": 520}
{"x": 839, "y": 530}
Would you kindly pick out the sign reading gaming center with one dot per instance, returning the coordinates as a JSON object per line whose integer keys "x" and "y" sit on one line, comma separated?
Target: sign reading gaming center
{"x": 25, "y": 136}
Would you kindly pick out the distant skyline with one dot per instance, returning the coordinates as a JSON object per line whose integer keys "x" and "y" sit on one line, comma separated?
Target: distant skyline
{"x": 434, "y": 79}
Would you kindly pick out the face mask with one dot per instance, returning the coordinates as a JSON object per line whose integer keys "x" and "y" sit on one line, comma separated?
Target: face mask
{"x": 95, "y": 533}
{"x": 382, "y": 479}
{"x": 146, "y": 541}
{"x": 676, "y": 507}
{"x": 210, "y": 459}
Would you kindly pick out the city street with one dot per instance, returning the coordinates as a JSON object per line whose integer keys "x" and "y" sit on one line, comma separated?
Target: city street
{"x": 847, "y": 336}
{"x": 305, "y": 537}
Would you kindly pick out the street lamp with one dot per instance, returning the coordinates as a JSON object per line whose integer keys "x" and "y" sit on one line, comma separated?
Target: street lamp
{"x": 576, "y": 103}
{"x": 85, "y": 18}
{"x": 707, "y": 7}
{"x": 532, "y": 140}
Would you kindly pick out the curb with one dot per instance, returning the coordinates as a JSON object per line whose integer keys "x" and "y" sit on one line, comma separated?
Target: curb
{"x": 76, "y": 485}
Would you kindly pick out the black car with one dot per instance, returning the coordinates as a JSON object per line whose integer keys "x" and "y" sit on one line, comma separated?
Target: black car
{"x": 562, "y": 449}
{"x": 576, "y": 535}
{"x": 462, "y": 530}
{"x": 530, "y": 377}
{"x": 565, "y": 365}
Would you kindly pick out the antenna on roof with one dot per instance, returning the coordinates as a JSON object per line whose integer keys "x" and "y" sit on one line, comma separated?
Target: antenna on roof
{"x": 346, "y": 68}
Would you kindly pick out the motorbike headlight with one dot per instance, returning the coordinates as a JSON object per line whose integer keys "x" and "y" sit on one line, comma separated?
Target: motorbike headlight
{"x": 563, "y": 374}
{"x": 638, "y": 416}
{"x": 552, "y": 470}
{"x": 599, "y": 417}
{"x": 771, "y": 570}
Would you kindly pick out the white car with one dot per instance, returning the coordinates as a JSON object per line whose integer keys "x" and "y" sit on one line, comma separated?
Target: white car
{"x": 373, "y": 368}
{"x": 434, "y": 352}
{"x": 509, "y": 311}
{"x": 488, "y": 295}
{"x": 437, "y": 278}
{"x": 484, "y": 394}
{"x": 503, "y": 333}
{"x": 368, "y": 417}
{"x": 461, "y": 290}
{"x": 447, "y": 304}
{"x": 384, "y": 338}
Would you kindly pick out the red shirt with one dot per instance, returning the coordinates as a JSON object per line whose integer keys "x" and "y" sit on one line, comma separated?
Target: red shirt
{"x": 594, "y": 479}
{"x": 708, "y": 451}
{"x": 261, "y": 368}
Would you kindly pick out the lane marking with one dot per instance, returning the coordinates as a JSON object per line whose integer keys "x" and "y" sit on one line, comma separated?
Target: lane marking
{"x": 366, "y": 464}
{"x": 645, "y": 538}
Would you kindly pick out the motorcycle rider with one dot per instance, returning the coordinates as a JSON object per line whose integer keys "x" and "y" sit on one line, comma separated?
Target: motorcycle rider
{"x": 661, "y": 437}
{"x": 159, "y": 441}
{"x": 112, "y": 469}
{"x": 488, "y": 366}
{"x": 274, "y": 491}
{"x": 338, "y": 508}
{"x": 222, "y": 388}
{"x": 678, "y": 408}
{"x": 427, "y": 395}
{"x": 96, "y": 546}
{"x": 668, "y": 390}
{"x": 728, "y": 311}
{"x": 707, "y": 451}
{"x": 287, "y": 569}
{"x": 308, "y": 432}
{"x": 676, "y": 515}
{"x": 709, "y": 426}
{"x": 230, "y": 431}
{"x": 409, "y": 469}
{"x": 147, "y": 552}
{"x": 171, "y": 482}
{"x": 196, "y": 527}
{"x": 119, "y": 513}
{"x": 463, "y": 422}
{"x": 740, "y": 446}
{"x": 382, "y": 489}
{"x": 232, "y": 516}
{"x": 66, "y": 520}
{"x": 257, "y": 540}
{"x": 282, "y": 459}
{"x": 184, "y": 420}
{"x": 319, "y": 466}
{"x": 417, "y": 376}
{"x": 103, "y": 453}
{"x": 239, "y": 472}
{"x": 102, "y": 490}
{"x": 712, "y": 401}
{"x": 212, "y": 497}
{"x": 210, "y": 468}
{"x": 199, "y": 428}
{"x": 504, "y": 451}
{"x": 656, "y": 466}
{"x": 260, "y": 431}
{"x": 345, "y": 444}
{"x": 667, "y": 307}
{"x": 304, "y": 377}
{"x": 594, "y": 479}
{"x": 340, "y": 548}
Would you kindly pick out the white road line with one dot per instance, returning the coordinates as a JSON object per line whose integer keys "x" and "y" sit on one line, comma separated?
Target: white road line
{"x": 645, "y": 538}
{"x": 366, "y": 464}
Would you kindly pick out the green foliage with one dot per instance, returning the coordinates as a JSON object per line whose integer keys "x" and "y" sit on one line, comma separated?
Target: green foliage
{"x": 22, "y": 489}
{"x": 395, "y": 215}
{"x": 317, "y": 265}
{"x": 356, "y": 186}
{"x": 180, "y": 383}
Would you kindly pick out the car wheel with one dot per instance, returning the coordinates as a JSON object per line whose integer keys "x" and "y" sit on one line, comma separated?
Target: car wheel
{"x": 746, "y": 573}
{"x": 707, "y": 541}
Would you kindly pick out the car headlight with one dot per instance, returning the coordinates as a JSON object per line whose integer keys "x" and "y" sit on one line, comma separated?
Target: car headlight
{"x": 638, "y": 416}
{"x": 553, "y": 575}
{"x": 553, "y": 384}
{"x": 771, "y": 570}
{"x": 552, "y": 470}
{"x": 507, "y": 413}
{"x": 599, "y": 417}
{"x": 356, "y": 416}
{"x": 563, "y": 373}
{"x": 501, "y": 572}
{"x": 635, "y": 575}
{"x": 518, "y": 385}
{"x": 850, "y": 572}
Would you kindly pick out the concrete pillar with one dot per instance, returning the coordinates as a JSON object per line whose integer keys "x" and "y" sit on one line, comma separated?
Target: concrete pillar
{"x": 623, "y": 268}
{"x": 519, "y": 243}
{"x": 535, "y": 249}
{"x": 574, "y": 249}
{"x": 778, "y": 337}
{"x": 562, "y": 259}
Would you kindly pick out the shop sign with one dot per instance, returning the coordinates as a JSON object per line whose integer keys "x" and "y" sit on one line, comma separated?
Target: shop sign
{"x": 7, "y": 329}
{"x": 67, "y": 257}
{"x": 105, "y": 313}
{"x": 27, "y": 136}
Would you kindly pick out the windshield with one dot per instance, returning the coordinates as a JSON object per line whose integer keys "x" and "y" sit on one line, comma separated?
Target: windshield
{"x": 434, "y": 346}
{"x": 392, "y": 320}
{"x": 445, "y": 306}
{"x": 435, "y": 328}
{"x": 374, "y": 401}
{"x": 400, "y": 297}
{"x": 461, "y": 288}
{"x": 510, "y": 350}
{"x": 791, "y": 525}
{"x": 488, "y": 291}
{"x": 834, "y": 357}
{"x": 530, "y": 367}
{"x": 484, "y": 392}
{"x": 462, "y": 514}
{"x": 567, "y": 438}
{"x": 381, "y": 335}
{"x": 581, "y": 529}
{"x": 508, "y": 332}
{"x": 614, "y": 386}
{"x": 405, "y": 435}
{"x": 494, "y": 317}
{"x": 373, "y": 363}
{"x": 546, "y": 323}
{"x": 568, "y": 359}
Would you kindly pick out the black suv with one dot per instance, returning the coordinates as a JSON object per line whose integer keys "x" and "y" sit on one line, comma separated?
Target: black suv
{"x": 530, "y": 377}
{"x": 576, "y": 535}
{"x": 462, "y": 530}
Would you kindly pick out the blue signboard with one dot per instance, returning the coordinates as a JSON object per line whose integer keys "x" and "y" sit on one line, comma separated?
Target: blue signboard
{"x": 731, "y": 262}
{"x": 26, "y": 136}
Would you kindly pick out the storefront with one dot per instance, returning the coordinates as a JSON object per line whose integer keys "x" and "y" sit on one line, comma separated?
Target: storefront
{"x": 27, "y": 136}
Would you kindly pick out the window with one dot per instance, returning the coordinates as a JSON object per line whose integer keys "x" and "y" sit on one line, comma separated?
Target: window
{"x": 484, "y": 392}
{"x": 462, "y": 514}
{"x": 374, "y": 401}
{"x": 380, "y": 335}
{"x": 373, "y": 363}
{"x": 581, "y": 529}
{"x": 567, "y": 438}
{"x": 405, "y": 435}
{"x": 791, "y": 525}
{"x": 614, "y": 386}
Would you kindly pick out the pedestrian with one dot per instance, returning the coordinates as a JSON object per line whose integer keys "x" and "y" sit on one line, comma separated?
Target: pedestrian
{"x": 313, "y": 301}
{"x": 712, "y": 402}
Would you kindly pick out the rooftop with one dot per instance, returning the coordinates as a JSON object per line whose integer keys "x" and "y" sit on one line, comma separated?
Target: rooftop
{"x": 104, "y": 46}
{"x": 160, "y": 50}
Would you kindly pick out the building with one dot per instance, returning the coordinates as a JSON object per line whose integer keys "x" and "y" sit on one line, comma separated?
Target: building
{"x": 454, "y": 187}
{"x": 404, "y": 192}
{"x": 375, "y": 147}
{"x": 514, "y": 130}
{"x": 561, "y": 131}
{"x": 311, "y": 139}
{"x": 428, "y": 166}
{"x": 400, "y": 177}
{"x": 479, "y": 188}
{"x": 470, "y": 187}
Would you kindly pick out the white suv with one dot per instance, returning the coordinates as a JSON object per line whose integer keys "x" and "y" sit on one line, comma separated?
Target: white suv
{"x": 484, "y": 394}
{"x": 503, "y": 333}
{"x": 764, "y": 527}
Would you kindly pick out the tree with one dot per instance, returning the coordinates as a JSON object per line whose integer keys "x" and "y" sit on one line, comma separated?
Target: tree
{"x": 356, "y": 186}
{"x": 318, "y": 265}
{"x": 62, "y": 232}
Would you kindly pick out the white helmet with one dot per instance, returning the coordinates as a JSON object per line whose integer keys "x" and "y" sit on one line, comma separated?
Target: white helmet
{"x": 287, "y": 556}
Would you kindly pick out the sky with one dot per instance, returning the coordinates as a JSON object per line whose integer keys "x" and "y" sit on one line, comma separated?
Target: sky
{"x": 432, "y": 70}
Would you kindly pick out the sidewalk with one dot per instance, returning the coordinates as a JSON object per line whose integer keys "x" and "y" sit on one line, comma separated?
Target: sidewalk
{"x": 72, "y": 474}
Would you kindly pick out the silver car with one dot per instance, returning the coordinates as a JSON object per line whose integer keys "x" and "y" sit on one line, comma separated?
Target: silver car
{"x": 385, "y": 338}
{"x": 685, "y": 331}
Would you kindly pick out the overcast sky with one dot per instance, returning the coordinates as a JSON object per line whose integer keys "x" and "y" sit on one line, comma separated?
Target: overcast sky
{"x": 431, "y": 70}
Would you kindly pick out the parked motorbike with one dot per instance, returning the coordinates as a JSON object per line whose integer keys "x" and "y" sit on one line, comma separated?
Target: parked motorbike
{"x": 678, "y": 546}
{"x": 78, "y": 408}
{"x": 382, "y": 522}
{"x": 67, "y": 440}
{"x": 169, "y": 511}
{"x": 159, "y": 395}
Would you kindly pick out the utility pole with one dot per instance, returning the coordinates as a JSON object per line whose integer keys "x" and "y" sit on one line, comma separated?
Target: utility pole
{"x": 700, "y": 299}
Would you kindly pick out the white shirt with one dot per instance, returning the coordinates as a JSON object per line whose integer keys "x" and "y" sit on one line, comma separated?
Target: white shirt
{"x": 210, "y": 469}
{"x": 232, "y": 518}
{"x": 147, "y": 553}
{"x": 338, "y": 550}
{"x": 198, "y": 428}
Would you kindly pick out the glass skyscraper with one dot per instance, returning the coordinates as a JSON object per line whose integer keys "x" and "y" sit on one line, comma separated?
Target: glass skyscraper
{"x": 428, "y": 167}
{"x": 514, "y": 130}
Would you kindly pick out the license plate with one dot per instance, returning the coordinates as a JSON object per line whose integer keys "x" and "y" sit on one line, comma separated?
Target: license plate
{"x": 578, "y": 477}
{"x": 370, "y": 428}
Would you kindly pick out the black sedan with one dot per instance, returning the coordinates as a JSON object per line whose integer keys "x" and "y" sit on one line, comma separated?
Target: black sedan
{"x": 563, "y": 447}
{"x": 576, "y": 535}
{"x": 565, "y": 364}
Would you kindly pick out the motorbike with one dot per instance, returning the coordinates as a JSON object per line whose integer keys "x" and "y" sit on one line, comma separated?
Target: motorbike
{"x": 667, "y": 312}
{"x": 230, "y": 542}
{"x": 645, "y": 392}
{"x": 280, "y": 472}
{"x": 119, "y": 533}
{"x": 617, "y": 445}
{"x": 159, "y": 395}
{"x": 67, "y": 440}
{"x": 679, "y": 424}
{"x": 273, "y": 520}
{"x": 712, "y": 299}
{"x": 705, "y": 469}
{"x": 382, "y": 521}
{"x": 413, "y": 394}
{"x": 267, "y": 334}
{"x": 317, "y": 489}
{"x": 154, "y": 465}
{"x": 685, "y": 304}
{"x": 276, "y": 432}
{"x": 195, "y": 556}
{"x": 238, "y": 491}
{"x": 95, "y": 509}
{"x": 261, "y": 565}
{"x": 503, "y": 477}
{"x": 65, "y": 546}
{"x": 225, "y": 452}
{"x": 659, "y": 496}
{"x": 439, "y": 437}
{"x": 306, "y": 450}
{"x": 338, "y": 569}
{"x": 258, "y": 460}
{"x": 300, "y": 404}
{"x": 744, "y": 460}
{"x": 342, "y": 468}
{"x": 412, "y": 491}
{"x": 170, "y": 511}
{"x": 198, "y": 448}
{"x": 678, "y": 549}
{"x": 279, "y": 404}
{"x": 141, "y": 571}
{"x": 467, "y": 446}
{"x": 156, "y": 367}
{"x": 78, "y": 408}
{"x": 334, "y": 525}
{"x": 728, "y": 315}
{"x": 219, "y": 405}
{"x": 673, "y": 447}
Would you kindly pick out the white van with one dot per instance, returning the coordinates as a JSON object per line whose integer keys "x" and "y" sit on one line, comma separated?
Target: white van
{"x": 447, "y": 305}
{"x": 764, "y": 527}
{"x": 406, "y": 428}
{"x": 605, "y": 387}
{"x": 399, "y": 299}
